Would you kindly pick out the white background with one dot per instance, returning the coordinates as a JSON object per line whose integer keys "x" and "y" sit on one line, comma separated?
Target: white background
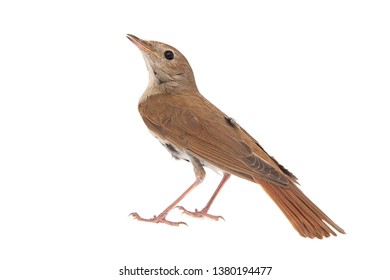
{"x": 309, "y": 80}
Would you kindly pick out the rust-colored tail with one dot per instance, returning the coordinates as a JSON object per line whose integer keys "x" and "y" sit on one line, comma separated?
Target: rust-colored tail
{"x": 303, "y": 214}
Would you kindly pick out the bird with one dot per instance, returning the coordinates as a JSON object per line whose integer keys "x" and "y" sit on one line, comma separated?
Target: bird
{"x": 191, "y": 128}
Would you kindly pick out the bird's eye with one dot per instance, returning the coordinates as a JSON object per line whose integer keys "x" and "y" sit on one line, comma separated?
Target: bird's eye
{"x": 169, "y": 55}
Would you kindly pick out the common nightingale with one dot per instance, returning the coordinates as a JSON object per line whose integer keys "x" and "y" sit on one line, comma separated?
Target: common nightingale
{"x": 193, "y": 129}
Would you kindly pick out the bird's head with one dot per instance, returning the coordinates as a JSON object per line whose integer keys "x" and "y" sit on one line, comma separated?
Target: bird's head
{"x": 168, "y": 68}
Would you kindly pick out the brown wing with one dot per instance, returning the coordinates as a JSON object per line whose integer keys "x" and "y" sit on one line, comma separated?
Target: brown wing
{"x": 204, "y": 131}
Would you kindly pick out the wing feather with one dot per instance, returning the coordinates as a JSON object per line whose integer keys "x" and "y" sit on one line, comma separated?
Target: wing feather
{"x": 195, "y": 125}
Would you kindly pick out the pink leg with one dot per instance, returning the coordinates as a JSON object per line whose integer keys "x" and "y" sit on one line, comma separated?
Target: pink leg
{"x": 200, "y": 175}
{"x": 204, "y": 211}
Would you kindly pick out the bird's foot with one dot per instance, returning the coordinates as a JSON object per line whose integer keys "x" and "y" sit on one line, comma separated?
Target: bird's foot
{"x": 156, "y": 219}
{"x": 200, "y": 214}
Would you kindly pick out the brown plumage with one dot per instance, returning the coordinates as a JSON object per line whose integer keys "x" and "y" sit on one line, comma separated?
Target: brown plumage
{"x": 192, "y": 128}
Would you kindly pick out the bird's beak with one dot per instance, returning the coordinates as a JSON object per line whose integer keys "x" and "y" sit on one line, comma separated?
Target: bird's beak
{"x": 142, "y": 45}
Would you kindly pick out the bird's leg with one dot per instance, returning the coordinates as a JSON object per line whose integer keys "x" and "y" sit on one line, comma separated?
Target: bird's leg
{"x": 200, "y": 175}
{"x": 204, "y": 211}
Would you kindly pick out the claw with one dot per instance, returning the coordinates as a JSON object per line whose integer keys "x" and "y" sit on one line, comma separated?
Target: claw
{"x": 199, "y": 214}
{"x": 156, "y": 219}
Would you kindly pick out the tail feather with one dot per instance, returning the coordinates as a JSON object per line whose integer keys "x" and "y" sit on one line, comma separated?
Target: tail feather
{"x": 302, "y": 213}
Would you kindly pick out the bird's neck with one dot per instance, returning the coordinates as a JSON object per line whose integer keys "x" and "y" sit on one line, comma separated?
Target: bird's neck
{"x": 159, "y": 83}
{"x": 173, "y": 87}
